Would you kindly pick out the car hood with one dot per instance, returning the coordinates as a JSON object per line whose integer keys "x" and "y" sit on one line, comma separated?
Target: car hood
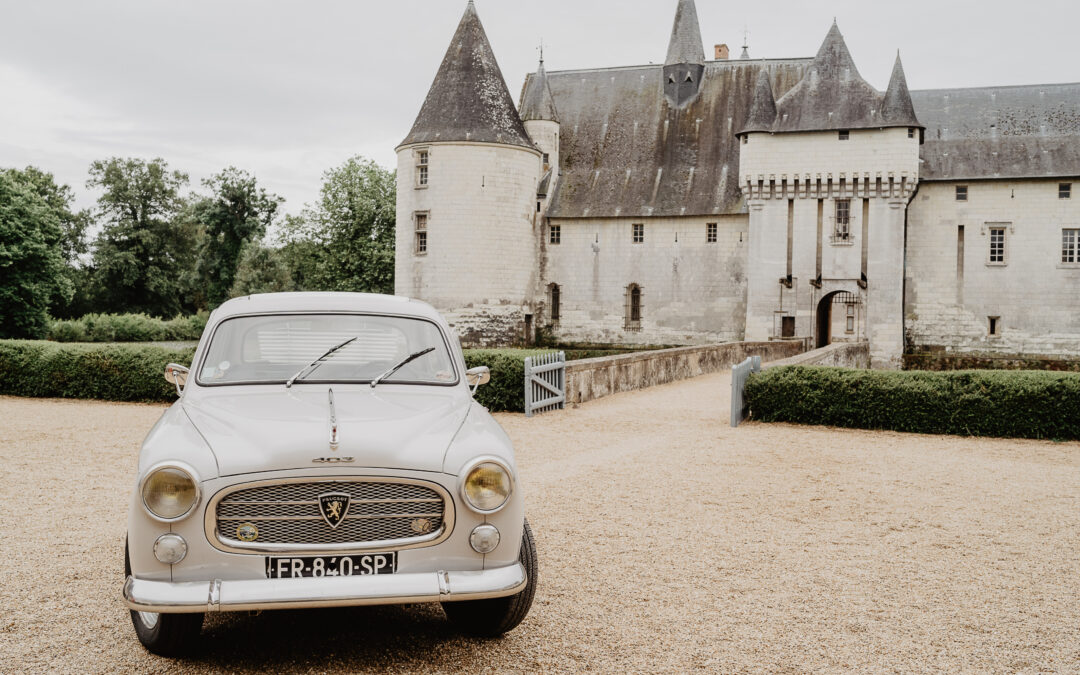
{"x": 272, "y": 429}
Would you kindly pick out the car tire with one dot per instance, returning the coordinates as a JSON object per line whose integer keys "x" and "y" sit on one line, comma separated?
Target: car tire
{"x": 492, "y": 618}
{"x": 170, "y": 635}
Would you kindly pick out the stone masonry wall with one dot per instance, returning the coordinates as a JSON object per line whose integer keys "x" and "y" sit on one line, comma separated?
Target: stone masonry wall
{"x": 480, "y": 268}
{"x": 591, "y": 379}
{"x": 693, "y": 290}
{"x": 951, "y": 295}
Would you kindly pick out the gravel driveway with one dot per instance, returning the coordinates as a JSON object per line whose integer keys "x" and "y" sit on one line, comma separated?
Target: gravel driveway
{"x": 667, "y": 541}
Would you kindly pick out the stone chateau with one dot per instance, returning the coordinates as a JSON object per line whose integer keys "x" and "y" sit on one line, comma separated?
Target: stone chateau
{"x": 720, "y": 200}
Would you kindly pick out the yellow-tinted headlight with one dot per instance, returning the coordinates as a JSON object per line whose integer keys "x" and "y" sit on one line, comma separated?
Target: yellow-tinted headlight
{"x": 487, "y": 487}
{"x": 169, "y": 493}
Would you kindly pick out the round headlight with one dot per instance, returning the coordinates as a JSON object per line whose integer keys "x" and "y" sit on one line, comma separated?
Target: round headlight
{"x": 487, "y": 487}
{"x": 169, "y": 493}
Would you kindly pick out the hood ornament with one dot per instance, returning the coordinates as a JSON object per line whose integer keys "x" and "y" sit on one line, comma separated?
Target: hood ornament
{"x": 334, "y": 442}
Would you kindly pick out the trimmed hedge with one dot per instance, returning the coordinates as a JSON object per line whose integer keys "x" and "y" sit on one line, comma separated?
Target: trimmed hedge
{"x": 1005, "y": 404}
{"x": 128, "y": 328}
{"x": 114, "y": 372}
{"x": 135, "y": 373}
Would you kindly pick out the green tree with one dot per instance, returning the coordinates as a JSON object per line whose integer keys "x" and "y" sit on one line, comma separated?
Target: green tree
{"x": 261, "y": 270}
{"x": 144, "y": 248}
{"x": 73, "y": 227}
{"x": 31, "y": 260}
{"x": 236, "y": 213}
{"x": 350, "y": 231}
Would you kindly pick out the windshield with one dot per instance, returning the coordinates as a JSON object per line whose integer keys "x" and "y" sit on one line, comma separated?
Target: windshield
{"x": 271, "y": 349}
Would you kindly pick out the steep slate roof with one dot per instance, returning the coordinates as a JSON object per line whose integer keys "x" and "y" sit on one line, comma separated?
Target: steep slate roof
{"x": 1000, "y": 132}
{"x": 626, "y": 152}
{"x": 763, "y": 108}
{"x": 834, "y": 96}
{"x": 469, "y": 100}
{"x": 896, "y": 106}
{"x": 536, "y": 102}
{"x": 685, "y": 45}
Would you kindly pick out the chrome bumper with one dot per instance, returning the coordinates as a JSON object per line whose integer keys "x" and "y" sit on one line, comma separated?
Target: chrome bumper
{"x": 388, "y": 589}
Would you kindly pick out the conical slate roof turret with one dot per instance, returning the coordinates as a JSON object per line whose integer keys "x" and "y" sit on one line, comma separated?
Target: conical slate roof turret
{"x": 897, "y": 107}
{"x": 832, "y": 95}
{"x": 686, "y": 45}
{"x": 763, "y": 109}
{"x": 469, "y": 100}
{"x": 537, "y": 103}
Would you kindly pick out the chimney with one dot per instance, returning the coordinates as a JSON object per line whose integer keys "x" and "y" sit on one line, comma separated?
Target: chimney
{"x": 722, "y": 52}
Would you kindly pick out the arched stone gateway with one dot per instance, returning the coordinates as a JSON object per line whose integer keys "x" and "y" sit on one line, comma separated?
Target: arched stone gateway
{"x": 839, "y": 319}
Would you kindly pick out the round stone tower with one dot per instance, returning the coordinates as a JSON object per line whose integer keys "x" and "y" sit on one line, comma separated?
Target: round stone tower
{"x": 468, "y": 175}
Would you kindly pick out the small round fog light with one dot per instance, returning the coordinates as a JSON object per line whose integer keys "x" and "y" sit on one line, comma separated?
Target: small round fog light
{"x": 484, "y": 538}
{"x": 170, "y": 548}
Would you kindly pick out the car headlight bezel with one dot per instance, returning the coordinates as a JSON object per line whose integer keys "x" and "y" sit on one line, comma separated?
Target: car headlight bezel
{"x": 473, "y": 466}
{"x": 174, "y": 466}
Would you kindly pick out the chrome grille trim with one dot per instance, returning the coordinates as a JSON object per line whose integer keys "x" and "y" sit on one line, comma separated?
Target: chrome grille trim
{"x": 381, "y": 499}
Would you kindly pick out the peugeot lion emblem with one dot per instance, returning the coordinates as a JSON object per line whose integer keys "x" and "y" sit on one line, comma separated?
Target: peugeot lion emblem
{"x": 333, "y": 507}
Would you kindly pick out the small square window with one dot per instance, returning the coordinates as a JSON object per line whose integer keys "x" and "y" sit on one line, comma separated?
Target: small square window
{"x": 555, "y": 234}
{"x": 1065, "y": 191}
{"x": 845, "y": 135}
{"x": 745, "y": 139}
{"x": 1070, "y": 246}
{"x": 995, "y": 325}
{"x": 547, "y": 160}
{"x": 710, "y": 233}
{"x": 911, "y": 132}
{"x": 639, "y": 233}
{"x": 961, "y": 193}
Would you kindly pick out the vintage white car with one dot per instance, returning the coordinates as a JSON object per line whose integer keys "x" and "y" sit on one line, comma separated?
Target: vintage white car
{"x": 325, "y": 451}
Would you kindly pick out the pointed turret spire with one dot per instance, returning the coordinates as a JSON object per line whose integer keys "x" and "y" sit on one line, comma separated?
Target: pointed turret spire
{"x": 897, "y": 107}
{"x": 538, "y": 103}
{"x": 469, "y": 100}
{"x": 763, "y": 109}
{"x": 834, "y": 58}
{"x": 686, "y": 45}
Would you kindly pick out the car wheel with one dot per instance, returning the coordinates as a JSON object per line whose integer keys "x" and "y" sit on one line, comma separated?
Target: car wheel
{"x": 164, "y": 634}
{"x": 492, "y": 618}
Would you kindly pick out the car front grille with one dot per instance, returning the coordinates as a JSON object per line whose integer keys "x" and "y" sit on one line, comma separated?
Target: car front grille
{"x": 287, "y": 515}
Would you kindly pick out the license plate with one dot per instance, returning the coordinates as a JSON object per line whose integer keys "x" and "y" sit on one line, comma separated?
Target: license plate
{"x": 331, "y": 566}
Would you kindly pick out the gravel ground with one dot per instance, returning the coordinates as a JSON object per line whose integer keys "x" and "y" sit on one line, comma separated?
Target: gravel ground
{"x": 667, "y": 541}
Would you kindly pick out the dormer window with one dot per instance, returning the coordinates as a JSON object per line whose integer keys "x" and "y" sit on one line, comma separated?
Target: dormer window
{"x": 689, "y": 78}
{"x": 671, "y": 79}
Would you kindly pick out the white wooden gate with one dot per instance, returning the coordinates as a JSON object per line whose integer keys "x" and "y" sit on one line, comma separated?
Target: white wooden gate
{"x": 545, "y": 383}
{"x": 739, "y": 375}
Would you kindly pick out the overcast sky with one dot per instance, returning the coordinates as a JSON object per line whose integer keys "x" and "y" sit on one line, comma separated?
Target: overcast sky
{"x": 289, "y": 89}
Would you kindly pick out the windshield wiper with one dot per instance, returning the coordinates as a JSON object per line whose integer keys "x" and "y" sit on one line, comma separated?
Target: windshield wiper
{"x": 306, "y": 370}
{"x": 404, "y": 362}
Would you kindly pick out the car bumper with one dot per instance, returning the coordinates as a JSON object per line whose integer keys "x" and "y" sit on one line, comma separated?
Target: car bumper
{"x": 259, "y": 594}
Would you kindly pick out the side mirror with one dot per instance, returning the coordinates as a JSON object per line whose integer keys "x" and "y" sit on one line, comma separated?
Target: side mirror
{"x": 177, "y": 375}
{"x": 478, "y": 376}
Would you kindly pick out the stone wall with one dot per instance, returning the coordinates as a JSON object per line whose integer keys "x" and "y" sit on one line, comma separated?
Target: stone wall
{"x": 953, "y": 290}
{"x": 845, "y": 355}
{"x": 693, "y": 290}
{"x": 590, "y": 379}
{"x": 480, "y": 267}
{"x": 792, "y": 183}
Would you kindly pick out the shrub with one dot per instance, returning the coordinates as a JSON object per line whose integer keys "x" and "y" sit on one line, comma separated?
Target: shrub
{"x": 124, "y": 372}
{"x": 506, "y": 391}
{"x": 1008, "y": 404}
{"x": 128, "y": 328}
{"x": 105, "y": 372}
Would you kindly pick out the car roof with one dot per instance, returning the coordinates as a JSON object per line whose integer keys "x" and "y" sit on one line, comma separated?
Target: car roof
{"x": 325, "y": 302}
